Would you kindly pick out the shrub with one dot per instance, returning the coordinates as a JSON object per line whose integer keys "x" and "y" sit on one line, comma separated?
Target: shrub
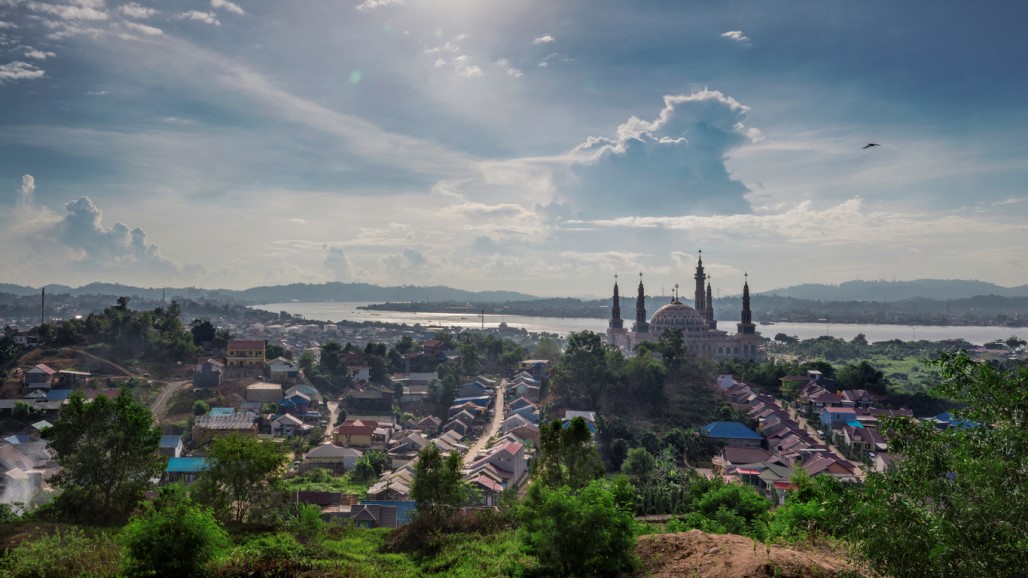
{"x": 63, "y": 553}
{"x": 270, "y": 556}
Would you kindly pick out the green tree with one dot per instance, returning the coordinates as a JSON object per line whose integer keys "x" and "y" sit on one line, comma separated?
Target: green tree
{"x": 107, "y": 451}
{"x": 438, "y": 487}
{"x": 200, "y": 407}
{"x": 586, "y": 532}
{"x": 638, "y": 466}
{"x": 645, "y": 378}
{"x": 582, "y": 375}
{"x": 241, "y": 472}
{"x": 203, "y": 331}
{"x": 548, "y": 349}
{"x": 171, "y": 537}
{"x": 470, "y": 359}
{"x": 567, "y": 456}
{"x": 955, "y": 506}
{"x": 863, "y": 376}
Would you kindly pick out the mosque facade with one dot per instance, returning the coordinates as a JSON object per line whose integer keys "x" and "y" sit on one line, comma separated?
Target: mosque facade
{"x": 697, "y": 324}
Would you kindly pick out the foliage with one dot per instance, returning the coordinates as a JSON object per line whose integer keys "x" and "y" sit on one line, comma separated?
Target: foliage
{"x": 268, "y": 556}
{"x": 107, "y": 450}
{"x": 567, "y": 456}
{"x": 171, "y": 537}
{"x": 644, "y": 379}
{"x": 200, "y": 407}
{"x": 438, "y": 487}
{"x": 242, "y": 472}
{"x": 582, "y": 375}
{"x": 815, "y": 508}
{"x": 68, "y": 552}
{"x": 583, "y": 533}
{"x": 638, "y": 466}
{"x": 370, "y": 465}
{"x": 304, "y": 521}
{"x": 203, "y": 331}
{"x": 157, "y": 335}
{"x": 955, "y": 505}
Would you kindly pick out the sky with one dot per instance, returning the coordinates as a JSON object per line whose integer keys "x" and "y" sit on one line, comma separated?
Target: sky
{"x": 534, "y": 146}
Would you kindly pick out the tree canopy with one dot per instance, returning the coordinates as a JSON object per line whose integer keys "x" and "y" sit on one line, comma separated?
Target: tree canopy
{"x": 241, "y": 472}
{"x": 107, "y": 450}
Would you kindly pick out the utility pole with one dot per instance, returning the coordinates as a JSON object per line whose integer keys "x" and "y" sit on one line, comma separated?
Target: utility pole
{"x": 42, "y": 308}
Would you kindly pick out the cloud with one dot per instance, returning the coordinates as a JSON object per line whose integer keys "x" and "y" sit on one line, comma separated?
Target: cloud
{"x": 508, "y": 69}
{"x": 373, "y": 4}
{"x": 148, "y": 30}
{"x": 554, "y": 57}
{"x": 404, "y": 265}
{"x": 673, "y": 164}
{"x": 39, "y": 54}
{"x": 133, "y": 10}
{"x": 7, "y": 25}
{"x": 85, "y": 11}
{"x": 737, "y": 36}
{"x": 463, "y": 67}
{"x": 227, "y": 6}
{"x": 83, "y": 231}
{"x": 337, "y": 263}
{"x": 198, "y": 16}
{"x": 545, "y": 39}
{"x": 28, "y": 187}
{"x": 19, "y": 70}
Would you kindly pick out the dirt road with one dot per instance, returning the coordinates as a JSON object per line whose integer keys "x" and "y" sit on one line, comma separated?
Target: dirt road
{"x": 158, "y": 406}
{"x": 491, "y": 429}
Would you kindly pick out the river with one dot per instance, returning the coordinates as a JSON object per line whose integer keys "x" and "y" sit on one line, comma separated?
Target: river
{"x": 348, "y": 311}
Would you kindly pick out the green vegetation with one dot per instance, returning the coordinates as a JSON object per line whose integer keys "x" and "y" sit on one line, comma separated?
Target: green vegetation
{"x": 241, "y": 475}
{"x": 107, "y": 453}
{"x": 438, "y": 487}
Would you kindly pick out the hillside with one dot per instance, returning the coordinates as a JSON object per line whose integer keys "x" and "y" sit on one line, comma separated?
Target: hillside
{"x": 890, "y": 291}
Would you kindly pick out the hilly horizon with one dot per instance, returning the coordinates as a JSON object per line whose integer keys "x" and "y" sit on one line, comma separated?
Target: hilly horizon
{"x": 879, "y": 291}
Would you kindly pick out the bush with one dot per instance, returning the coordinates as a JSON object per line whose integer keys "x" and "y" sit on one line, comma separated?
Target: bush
{"x": 64, "y": 553}
{"x": 200, "y": 407}
{"x": 304, "y": 521}
{"x": 171, "y": 537}
{"x": 270, "y": 556}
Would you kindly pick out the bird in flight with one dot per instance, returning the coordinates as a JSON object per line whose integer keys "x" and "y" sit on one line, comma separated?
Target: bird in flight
{"x": 871, "y": 144}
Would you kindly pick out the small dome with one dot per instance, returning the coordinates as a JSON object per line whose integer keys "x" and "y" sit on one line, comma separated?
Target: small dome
{"x": 677, "y": 314}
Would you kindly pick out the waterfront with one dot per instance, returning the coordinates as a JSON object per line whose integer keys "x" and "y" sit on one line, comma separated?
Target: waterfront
{"x": 348, "y": 311}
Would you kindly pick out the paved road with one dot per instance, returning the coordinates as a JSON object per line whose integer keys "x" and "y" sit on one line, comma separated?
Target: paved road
{"x": 491, "y": 429}
{"x": 333, "y": 413}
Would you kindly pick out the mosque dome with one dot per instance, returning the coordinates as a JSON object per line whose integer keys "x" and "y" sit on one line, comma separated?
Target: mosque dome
{"x": 677, "y": 315}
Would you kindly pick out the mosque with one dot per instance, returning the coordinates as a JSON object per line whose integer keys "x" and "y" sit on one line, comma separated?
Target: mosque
{"x": 697, "y": 324}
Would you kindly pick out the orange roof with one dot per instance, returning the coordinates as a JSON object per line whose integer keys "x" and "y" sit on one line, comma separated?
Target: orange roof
{"x": 243, "y": 344}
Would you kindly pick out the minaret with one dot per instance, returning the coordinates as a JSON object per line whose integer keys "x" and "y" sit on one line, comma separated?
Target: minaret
{"x": 615, "y": 309}
{"x": 641, "y": 326}
{"x": 708, "y": 311}
{"x": 746, "y": 325}
{"x": 700, "y": 298}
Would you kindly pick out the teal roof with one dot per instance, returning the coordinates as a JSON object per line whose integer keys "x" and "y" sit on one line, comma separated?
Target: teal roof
{"x": 730, "y": 430}
{"x": 222, "y": 411}
{"x": 186, "y": 465}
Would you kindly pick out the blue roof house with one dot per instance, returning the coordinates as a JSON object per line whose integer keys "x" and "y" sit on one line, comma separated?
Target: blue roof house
{"x": 733, "y": 433}
{"x": 184, "y": 470}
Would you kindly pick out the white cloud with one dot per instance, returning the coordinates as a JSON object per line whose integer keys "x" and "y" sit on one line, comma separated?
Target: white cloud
{"x": 28, "y": 187}
{"x": 19, "y": 70}
{"x": 372, "y": 4}
{"x": 134, "y": 10}
{"x": 148, "y": 30}
{"x": 86, "y": 11}
{"x": 39, "y": 54}
{"x": 554, "y": 57}
{"x": 227, "y": 6}
{"x": 463, "y": 67}
{"x": 737, "y": 36}
{"x": 7, "y": 25}
{"x": 507, "y": 68}
{"x": 545, "y": 39}
{"x": 198, "y": 16}
{"x": 336, "y": 262}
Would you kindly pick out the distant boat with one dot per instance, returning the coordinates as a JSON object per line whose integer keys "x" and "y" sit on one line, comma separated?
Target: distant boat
{"x": 767, "y": 322}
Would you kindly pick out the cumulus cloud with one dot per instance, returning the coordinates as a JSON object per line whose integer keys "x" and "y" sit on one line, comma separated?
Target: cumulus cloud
{"x": 28, "y": 187}
{"x": 82, "y": 11}
{"x": 19, "y": 70}
{"x": 405, "y": 263}
{"x": 554, "y": 57}
{"x": 674, "y": 163}
{"x": 198, "y": 16}
{"x": 463, "y": 67}
{"x": 143, "y": 28}
{"x": 737, "y": 36}
{"x": 82, "y": 230}
{"x": 227, "y": 6}
{"x": 545, "y": 39}
{"x": 336, "y": 262}
{"x": 38, "y": 54}
{"x": 7, "y": 25}
{"x": 133, "y": 10}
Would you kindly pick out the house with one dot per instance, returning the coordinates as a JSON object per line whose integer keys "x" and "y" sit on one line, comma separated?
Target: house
{"x": 504, "y": 461}
{"x": 355, "y": 433}
{"x": 69, "y": 379}
{"x": 886, "y": 462}
{"x": 264, "y": 392}
{"x": 286, "y": 425}
{"x": 309, "y": 390}
{"x": 535, "y": 368}
{"x": 41, "y": 376}
{"x": 430, "y": 425}
{"x": 331, "y": 457}
{"x": 282, "y": 370}
{"x": 246, "y": 354}
{"x": 862, "y": 439}
{"x": 458, "y": 427}
{"x": 790, "y": 383}
{"x": 856, "y": 398}
{"x": 733, "y": 433}
{"x": 207, "y": 426}
{"x": 473, "y": 389}
{"x": 209, "y": 373}
{"x": 185, "y": 470}
{"x": 732, "y": 457}
{"x": 171, "y": 446}
{"x": 836, "y": 417}
{"x": 298, "y": 403}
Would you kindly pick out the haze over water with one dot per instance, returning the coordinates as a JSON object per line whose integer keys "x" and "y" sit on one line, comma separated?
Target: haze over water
{"x": 348, "y": 311}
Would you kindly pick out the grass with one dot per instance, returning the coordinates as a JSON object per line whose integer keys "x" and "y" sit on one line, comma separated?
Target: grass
{"x": 317, "y": 482}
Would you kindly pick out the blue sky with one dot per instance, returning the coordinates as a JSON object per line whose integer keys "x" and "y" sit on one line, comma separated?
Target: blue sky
{"x": 535, "y": 146}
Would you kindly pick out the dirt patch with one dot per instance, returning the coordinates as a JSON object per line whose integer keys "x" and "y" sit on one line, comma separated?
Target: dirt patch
{"x": 695, "y": 553}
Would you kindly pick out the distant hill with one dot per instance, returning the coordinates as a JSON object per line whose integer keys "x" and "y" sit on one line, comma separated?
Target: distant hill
{"x": 279, "y": 293}
{"x": 890, "y": 291}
